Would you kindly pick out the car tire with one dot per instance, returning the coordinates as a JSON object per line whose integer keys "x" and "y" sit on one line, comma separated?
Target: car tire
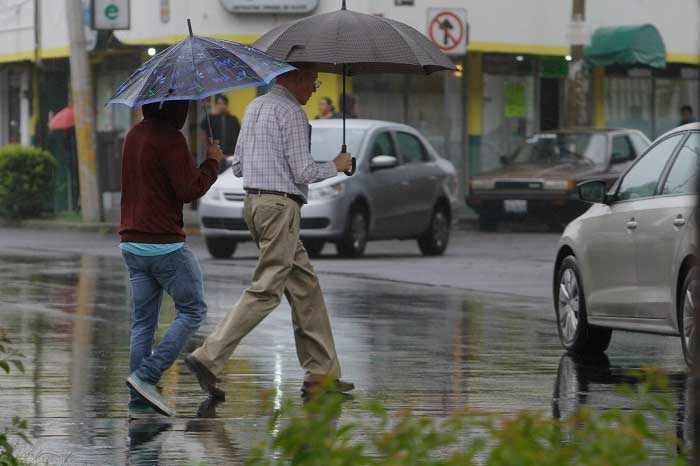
{"x": 575, "y": 333}
{"x": 313, "y": 247}
{"x": 354, "y": 240}
{"x": 686, "y": 311}
{"x": 221, "y": 248}
{"x": 434, "y": 241}
{"x": 488, "y": 223}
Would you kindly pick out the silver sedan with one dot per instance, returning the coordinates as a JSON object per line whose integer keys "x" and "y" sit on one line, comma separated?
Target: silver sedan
{"x": 402, "y": 189}
{"x": 628, "y": 263}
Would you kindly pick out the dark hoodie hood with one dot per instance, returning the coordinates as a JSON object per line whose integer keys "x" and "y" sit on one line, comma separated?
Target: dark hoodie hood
{"x": 172, "y": 112}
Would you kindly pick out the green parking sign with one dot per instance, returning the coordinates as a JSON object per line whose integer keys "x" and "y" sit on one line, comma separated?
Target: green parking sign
{"x": 110, "y": 14}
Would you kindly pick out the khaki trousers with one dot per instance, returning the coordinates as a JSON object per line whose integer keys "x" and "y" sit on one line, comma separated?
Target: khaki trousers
{"x": 283, "y": 268}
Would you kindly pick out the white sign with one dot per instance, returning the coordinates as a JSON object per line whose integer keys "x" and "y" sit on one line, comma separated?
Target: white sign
{"x": 447, "y": 28}
{"x": 110, "y": 14}
{"x": 270, "y": 6}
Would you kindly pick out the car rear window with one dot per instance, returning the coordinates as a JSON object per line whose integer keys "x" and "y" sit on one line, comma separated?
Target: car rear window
{"x": 558, "y": 148}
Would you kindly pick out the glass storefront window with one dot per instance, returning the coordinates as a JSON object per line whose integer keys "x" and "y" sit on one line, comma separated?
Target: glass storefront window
{"x": 671, "y": 95}
{"x": 628, "y": 104}
{"x": 508, "y": 116}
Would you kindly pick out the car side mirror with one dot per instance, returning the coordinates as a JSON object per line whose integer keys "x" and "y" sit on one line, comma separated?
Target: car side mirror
{"x": 594, "y": 191}
{"x": 619, "y": 158}
{"x": 380, "y": 162}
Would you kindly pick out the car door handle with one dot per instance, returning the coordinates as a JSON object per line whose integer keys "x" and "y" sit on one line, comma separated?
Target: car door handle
{"x": 632, "y": 224}
{"x": 679, "y": 221}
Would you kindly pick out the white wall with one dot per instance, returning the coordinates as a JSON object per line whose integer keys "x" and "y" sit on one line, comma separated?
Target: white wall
{"x": 524, "y": 22}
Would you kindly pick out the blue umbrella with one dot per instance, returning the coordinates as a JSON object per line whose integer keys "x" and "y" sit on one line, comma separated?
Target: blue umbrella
{"x": 196, "y": 68}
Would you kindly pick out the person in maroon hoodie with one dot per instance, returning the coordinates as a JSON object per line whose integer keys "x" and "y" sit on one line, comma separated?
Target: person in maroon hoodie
{"x": 158, "y": 177}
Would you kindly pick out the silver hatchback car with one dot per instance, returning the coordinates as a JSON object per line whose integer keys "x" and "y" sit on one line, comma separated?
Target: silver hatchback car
{"x": 629, "y": 262}
{"x": 402, "y": 189}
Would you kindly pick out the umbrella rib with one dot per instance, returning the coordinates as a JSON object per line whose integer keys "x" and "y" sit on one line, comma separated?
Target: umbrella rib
{"x": 156, "y": 65}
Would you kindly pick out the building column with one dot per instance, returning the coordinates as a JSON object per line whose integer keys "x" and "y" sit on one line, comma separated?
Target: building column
{"x": 475, "y": 93}
{"x": 598, "y": 97}
{"x": 25, "y": 105}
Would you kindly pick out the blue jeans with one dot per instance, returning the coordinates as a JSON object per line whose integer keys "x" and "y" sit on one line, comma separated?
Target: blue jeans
{"x": 179, "y": 275}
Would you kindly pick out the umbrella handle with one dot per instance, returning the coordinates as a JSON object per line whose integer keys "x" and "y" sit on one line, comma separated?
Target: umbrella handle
{"x": 350, "y": 172}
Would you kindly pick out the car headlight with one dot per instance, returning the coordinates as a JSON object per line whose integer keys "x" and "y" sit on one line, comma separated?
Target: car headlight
{"x": 560, "y": 185}
{"x": 214, "y": 194}
{"x": 326, "y": 193}
{"x": 482, "y": 184}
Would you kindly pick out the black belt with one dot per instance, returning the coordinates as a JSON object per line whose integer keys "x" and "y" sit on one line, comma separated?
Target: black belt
{"x": 298, "y": 199}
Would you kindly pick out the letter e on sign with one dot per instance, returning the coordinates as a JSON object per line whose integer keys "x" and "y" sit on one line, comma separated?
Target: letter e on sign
{"x": 111, "y": 14}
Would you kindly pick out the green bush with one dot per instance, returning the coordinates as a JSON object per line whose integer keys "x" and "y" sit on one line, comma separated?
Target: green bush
{"x": 312, "y": 436}
{"x": 10, "y": 357}
{"x": 27, "y": 176}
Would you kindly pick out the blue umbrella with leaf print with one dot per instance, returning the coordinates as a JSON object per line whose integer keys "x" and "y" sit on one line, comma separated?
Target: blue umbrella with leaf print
{"x": 196, "y": 68}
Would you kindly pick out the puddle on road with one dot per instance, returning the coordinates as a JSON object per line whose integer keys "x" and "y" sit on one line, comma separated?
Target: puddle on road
{"x": 426, "y": 348}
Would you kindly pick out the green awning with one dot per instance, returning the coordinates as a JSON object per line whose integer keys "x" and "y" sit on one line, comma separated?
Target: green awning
{"x": 627, "y": 45}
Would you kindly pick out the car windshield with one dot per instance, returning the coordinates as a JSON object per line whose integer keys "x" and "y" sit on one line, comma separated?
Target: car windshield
{"x": 326, "y": 142}
{"x": 558, "y": 148}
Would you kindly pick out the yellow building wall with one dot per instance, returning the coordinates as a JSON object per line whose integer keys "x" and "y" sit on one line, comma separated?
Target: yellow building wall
{"x": 331, "y": 86}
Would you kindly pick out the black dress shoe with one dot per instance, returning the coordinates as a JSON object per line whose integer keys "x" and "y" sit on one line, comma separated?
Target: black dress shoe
{"x": 206, "y": 379}
{"x": 336, "y": 386}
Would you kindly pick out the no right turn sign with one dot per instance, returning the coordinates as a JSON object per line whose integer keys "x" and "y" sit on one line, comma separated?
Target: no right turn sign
{"x": 447, "y": 28}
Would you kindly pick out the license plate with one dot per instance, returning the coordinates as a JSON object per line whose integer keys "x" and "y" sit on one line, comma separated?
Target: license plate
{"x": 513, "y": 206}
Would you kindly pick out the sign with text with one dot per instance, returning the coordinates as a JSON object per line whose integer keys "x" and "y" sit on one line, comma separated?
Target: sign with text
{"x": 447, "y": 28}
{"x": 111, "y": 14}
{"x": 270, "y": 6}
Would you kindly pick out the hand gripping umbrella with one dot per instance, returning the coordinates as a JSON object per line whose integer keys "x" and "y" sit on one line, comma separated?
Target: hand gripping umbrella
{"x": 346, "y": 42}
{"x": 196, "y": 68}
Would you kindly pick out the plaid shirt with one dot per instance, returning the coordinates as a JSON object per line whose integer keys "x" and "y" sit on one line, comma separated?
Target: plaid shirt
{"x": 273, "y": 147}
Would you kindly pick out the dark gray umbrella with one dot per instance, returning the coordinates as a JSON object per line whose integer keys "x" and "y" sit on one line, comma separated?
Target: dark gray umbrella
{"x": 346, "y": 42}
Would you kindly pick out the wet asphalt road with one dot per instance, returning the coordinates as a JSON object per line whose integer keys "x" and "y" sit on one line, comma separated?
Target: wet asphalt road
{"x": 432, "y": 334}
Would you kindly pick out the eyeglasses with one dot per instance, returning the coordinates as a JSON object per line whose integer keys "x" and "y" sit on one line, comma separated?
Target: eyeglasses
{"x": 317, "y": 84}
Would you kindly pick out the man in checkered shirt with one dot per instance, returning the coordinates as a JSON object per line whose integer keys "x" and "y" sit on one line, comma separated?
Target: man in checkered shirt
{"x": 272, "y": 156}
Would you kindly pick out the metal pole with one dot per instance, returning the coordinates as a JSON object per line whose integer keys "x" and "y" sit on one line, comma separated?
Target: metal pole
{"x": 576, "y": 83}
{"x": 196, "y": 77}
{"x": 345, "y": 108}
{"x": 83, "y": 107}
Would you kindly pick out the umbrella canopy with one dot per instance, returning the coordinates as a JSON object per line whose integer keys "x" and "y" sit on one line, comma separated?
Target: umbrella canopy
{"x": 64, "y": 119}
{"x": 196, "y": 68}
{"x": 367, "y": 43}
{"x": 347, "y": 42}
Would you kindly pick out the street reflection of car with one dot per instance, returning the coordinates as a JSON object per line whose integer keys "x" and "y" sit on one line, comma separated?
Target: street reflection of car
{"x": 539, "y": 179}
{"x": 402, "y": 189}
{"x": 628, "y": 263}
{"x": 590, "y": 380}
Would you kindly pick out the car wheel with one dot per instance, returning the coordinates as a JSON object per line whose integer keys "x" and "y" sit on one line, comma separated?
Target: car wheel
{"x": 221, "y": 248}
{"x": 434, "y": 241}
{"x": 686, "y": 314}
{"x": 313, "y": 247}
{"x": 570, "y": 305}
{"x": 354, "y": 240}
{"x": 488, "y": 222}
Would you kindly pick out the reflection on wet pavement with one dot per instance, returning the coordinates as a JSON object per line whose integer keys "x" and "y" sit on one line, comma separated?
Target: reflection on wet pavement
{"x": 431, "y": 349}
